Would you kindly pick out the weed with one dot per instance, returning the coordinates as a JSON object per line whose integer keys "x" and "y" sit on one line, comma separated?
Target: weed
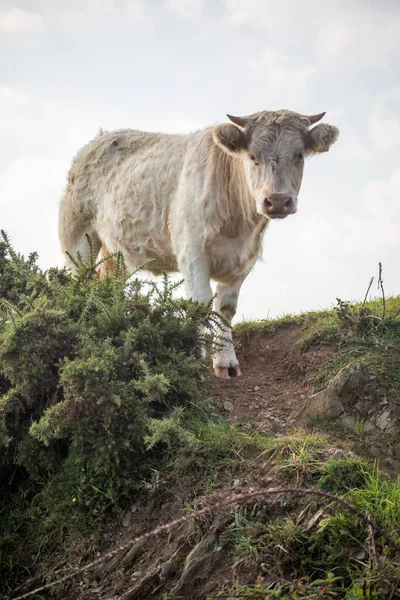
{"x": 300, "y": 452}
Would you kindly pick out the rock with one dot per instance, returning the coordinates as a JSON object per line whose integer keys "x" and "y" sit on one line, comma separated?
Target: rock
{"x": 228, "y": 406}
{"x": 256, "y": 388}
{"x": 343, "y": 391}
{"x": 126, "y": 521}
{"x": 384, "y": 420}
{"x": 324, "y": 404}
{"x": 390, "y": 462}
{"x": 396, "y": 450}
{"x": 339, "y": 453}
{"x": 374, "y": 451}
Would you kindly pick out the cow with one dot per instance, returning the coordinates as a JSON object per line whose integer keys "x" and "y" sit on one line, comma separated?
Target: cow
{"x": 197, "y": 203}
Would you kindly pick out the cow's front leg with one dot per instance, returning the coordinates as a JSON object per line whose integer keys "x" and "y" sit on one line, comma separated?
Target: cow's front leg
{"x": 196, "y": 274}
{"x": 225, "y": 363}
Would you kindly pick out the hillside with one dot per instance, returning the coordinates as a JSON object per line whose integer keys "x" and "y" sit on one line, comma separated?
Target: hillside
{"x": 128, "y": 472}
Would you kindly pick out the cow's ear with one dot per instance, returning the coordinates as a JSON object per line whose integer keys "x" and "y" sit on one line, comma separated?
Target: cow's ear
{"x": 321, "y": 138}
{"x": 230, "y": 138}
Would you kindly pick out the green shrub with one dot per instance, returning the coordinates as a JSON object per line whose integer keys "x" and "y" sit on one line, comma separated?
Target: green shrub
{"x": 87, "y": 367}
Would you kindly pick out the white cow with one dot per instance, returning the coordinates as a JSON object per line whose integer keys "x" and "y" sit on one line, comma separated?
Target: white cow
{"x": 196, "y": 203}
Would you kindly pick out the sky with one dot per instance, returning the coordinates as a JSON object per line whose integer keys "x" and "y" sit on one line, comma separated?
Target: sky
{"x": 69, "y": 67}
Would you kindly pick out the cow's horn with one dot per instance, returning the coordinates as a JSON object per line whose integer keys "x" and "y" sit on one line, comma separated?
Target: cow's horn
{"x": 241, "y": 121}
{"x": 315, "y": 118}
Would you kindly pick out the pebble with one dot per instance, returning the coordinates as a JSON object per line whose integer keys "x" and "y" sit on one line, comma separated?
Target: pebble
{"x": 126, "y": 521}
{"x": 228, "y": 406}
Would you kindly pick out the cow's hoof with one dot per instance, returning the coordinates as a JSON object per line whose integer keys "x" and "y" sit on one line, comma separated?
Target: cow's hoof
{"x": 235, "y": 371}
{"x": 227, "y": 372}
{"x": 222, "y": 372}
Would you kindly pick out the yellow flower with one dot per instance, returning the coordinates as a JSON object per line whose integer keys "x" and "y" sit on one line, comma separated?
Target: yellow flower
{"x": 73, "y": 499}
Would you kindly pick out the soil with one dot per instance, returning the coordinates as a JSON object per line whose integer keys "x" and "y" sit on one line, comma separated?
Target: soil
{"x": 276, "y": 378}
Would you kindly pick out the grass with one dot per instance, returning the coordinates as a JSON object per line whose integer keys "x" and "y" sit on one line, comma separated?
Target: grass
{"x": 360, "y": 333}
{"x": 263, "y": 326}
{"x": 315, "y": 549}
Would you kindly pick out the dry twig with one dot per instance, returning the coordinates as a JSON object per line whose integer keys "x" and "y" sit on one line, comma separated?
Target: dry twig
{"x": 367, "y": 292}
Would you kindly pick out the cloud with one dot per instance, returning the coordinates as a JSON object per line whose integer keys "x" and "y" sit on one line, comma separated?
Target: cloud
{"x": 40, "y": 137}
{"x": 86, "y": 13}
{"x": 280, "y": 77}
{"x": 179, "y": 126}
{"x": 38, "y": 126}
{"x": 372, "y": 232}
{"x": 348, "y": 36}
{"x": 30, "y": 189}
{"x": 381, "y": 198}
{"x": 384, "y": 121}
{"x": 16, "y": 19}
{"x": 335, "y": 39}
{"x": 100, "y": 6}
{"x": 333, "y": 31}
{"x": 268, "y": 14}
{"x": 188, "y": 9}
{"x": 135, "y": 9}
{"x": 351, "y": 148}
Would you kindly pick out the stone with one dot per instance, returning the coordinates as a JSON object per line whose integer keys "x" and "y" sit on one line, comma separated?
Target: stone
{"x": 343, "y": 391}
{"x": 324, "y": 404}
{"x": 384, "y": 420}
{"x": 228, "y": 406}
{"x": 126, "y": 521}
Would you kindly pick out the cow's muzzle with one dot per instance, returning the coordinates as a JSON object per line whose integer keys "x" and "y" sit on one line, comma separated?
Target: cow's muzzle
{"x": 279, "y": 206}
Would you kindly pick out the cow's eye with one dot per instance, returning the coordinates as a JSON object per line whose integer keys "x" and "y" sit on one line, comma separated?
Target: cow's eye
{"x": 253, "y": 158}
{"x": 299, "y": 157}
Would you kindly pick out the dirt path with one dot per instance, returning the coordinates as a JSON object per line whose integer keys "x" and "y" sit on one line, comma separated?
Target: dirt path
{"x": 274, "y": 383}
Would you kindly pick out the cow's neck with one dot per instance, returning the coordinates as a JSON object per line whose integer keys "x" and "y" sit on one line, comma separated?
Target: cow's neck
{"x": 235, "y": 206}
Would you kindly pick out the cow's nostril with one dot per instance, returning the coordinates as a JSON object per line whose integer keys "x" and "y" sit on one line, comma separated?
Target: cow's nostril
{"x": 287, "y": 203}
{"x": 268, "y": 203}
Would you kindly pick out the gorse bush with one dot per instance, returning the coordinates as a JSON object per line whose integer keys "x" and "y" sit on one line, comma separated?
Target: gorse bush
{"x": 86, "y": 367}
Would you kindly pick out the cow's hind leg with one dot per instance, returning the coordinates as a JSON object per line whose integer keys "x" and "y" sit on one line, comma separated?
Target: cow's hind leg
{"x": 107, "y": 266}
{"x": 225, "y": 363}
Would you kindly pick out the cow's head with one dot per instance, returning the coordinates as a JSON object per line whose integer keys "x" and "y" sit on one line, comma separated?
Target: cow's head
{"x": 273, "y": 146}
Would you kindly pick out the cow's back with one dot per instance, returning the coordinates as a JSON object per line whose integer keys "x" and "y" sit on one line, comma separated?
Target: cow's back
{"x": 114, "y": 155}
